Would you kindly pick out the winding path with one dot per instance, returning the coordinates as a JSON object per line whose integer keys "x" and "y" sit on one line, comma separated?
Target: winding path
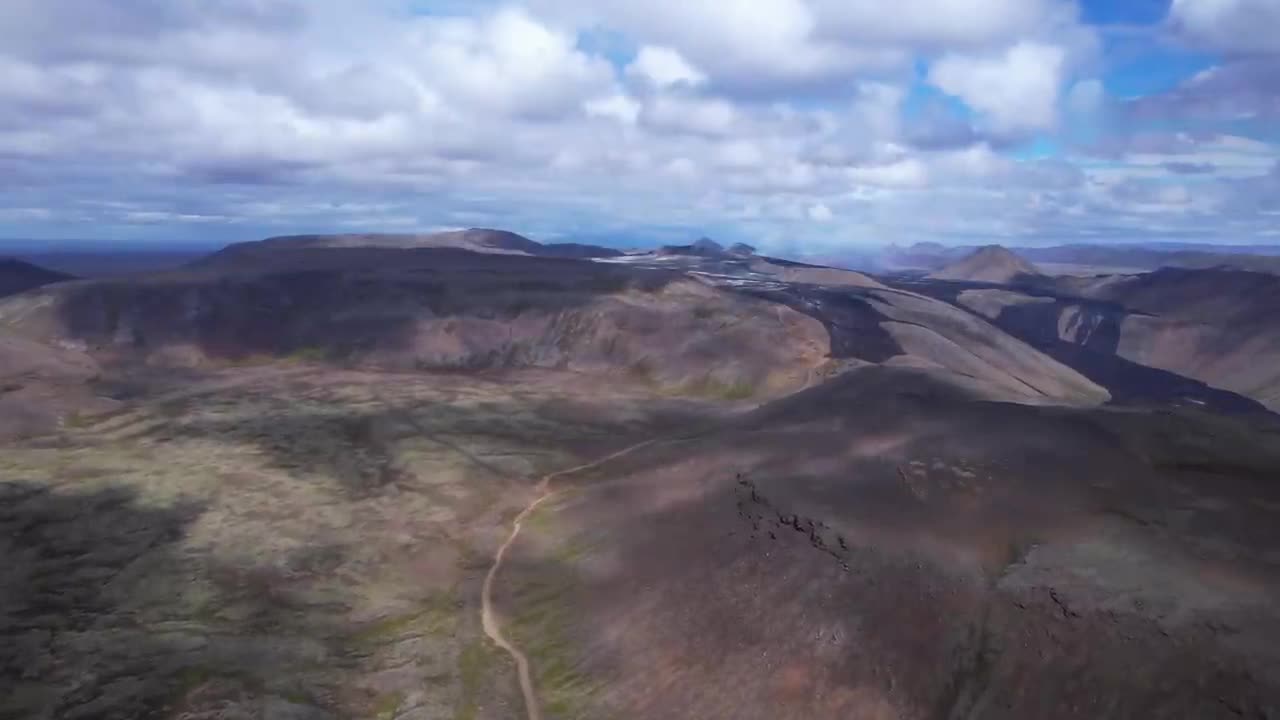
{"x": 489, "y": 619}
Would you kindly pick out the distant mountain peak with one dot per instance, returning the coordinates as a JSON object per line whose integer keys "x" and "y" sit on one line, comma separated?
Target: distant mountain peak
{"x": 706, "y": 244}
{"x": 702, "y": 247}
{"x": 479, "y": 240}
{"x": 18, "y": 276}
{"x": 990, "y": 263}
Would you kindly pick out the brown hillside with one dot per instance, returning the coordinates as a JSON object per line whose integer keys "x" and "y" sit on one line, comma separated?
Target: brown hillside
{"x": 889, "y": 545}
{"x": 991, "y": 264}
{"x": 432, "y": 310}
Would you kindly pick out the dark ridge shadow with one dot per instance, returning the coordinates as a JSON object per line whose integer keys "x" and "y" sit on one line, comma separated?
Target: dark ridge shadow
{"x": 1095, "y": 355}
{"x": 853, "y": 325}
{"x": 330, "y": 305}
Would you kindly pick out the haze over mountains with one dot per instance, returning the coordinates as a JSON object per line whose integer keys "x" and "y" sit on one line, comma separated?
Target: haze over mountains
{"x": 788, "y": 490}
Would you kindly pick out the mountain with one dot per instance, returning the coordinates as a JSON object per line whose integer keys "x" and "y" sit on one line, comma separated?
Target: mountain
{"x": 299, "y": 478}
{"x": 1208, "y": 336}
{"x": 1100, "y": 259}
{"x": 992, "y": 264}
{"x": 1216, "y": 325}
{"x": 703, "y": 247}
{"x": 1089, "y": 259}
{"x": 920, "y": 256}
{"x": 891, "y": 544}
{"x": 577, "y": 250}
{"x": 17, "y": 276}
{"x": 451, "y": 308}
{"x": 282, "y": 251}
{"x": 794, "y": 272}
{"x": 435, "y": 309}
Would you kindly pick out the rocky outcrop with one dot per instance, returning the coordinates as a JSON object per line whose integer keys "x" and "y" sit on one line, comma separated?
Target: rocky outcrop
{"x": 768, "y": 520}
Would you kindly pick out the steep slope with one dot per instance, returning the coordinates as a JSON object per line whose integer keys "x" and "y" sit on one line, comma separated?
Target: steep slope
{"x": 891, "y": 545}
{"x": 882, "y": 325}
{"x": 1219, "y": 326}
{"x": 1216, "y": 327}
{"x": 17, "y": 276}
{"x": 992, "y": 264}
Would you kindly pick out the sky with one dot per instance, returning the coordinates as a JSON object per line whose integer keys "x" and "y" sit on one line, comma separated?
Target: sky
{"x": 806, "y": 127}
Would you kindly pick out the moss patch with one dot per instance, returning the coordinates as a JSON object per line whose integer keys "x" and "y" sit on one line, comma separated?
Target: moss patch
{"x": 437, "y": 615}
{"x": 476, "y": 664}
{"x": 542, "y": 630}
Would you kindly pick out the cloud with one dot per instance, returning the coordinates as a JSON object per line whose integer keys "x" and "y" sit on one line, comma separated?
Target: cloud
{"x": 936, "y": 23}
{"x": 1087, "y": 97}
{"x": 821, "y": 213}
{"x": 616, "y": 106}
{"x": 1190, "y": 168}
{"x": 802, "y": 122}
{"x": 1231, "y": 26}
{"x": 1240, "y": 90}
{"x": 692, "y": 114}
{"x": 1016, "y": 89}
{"x": 663, "y": 67}
{"x": 763, "y": 48}
{"x": 509, "y": 63}
{"x": 905, "y": 173}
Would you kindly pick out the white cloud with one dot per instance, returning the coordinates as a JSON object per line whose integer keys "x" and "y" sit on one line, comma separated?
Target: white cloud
{"x": 779, "y": 114}
{"x": 740, "y": 155}
{"x": 663, "y": 67}
{"x": 509, "y": 62}
{"x": 1233, "y": 26}
{"x": 1017, "y": 89}
{"x": 935, "y": 23}
{"x": 750, "y": 46}
{"x": 689, "y": 114}
{"x": 758, "y": 47}
{"x": 820, "y": 213}
{"x": 906, "y": 173}
{"x": 617, "y": 106}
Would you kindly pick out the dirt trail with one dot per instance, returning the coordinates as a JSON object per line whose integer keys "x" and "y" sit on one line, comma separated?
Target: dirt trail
{"x": 488, "y": 619}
